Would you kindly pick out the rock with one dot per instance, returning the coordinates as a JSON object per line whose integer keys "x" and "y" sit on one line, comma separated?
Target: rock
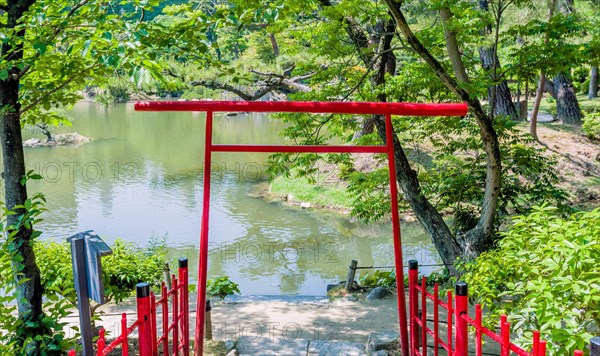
{"x": 229, "y": 345}
{"x": 305, "y": 205}
{"x": 324, "y": 348}
{"x": 386, "y": 340}
{"x": 379, "y": 353}
{"x": 59, "y": 140}
{"x": 332, "y": 286}
{"x": 289, "y": 197}
{"x": 378, "y": 293}
{"x": 409, "y": 219}
{"x": 263, "y": 346}
{"x": 232, "y": 353}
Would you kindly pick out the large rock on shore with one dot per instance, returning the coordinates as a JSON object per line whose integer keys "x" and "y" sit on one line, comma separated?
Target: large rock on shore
{"x": 59, "y": 140}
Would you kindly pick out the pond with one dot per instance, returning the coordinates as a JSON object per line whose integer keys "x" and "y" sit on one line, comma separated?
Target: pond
{"x": 141, "y": 180}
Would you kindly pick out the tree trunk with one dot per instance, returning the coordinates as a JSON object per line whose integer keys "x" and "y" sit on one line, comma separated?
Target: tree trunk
{"x": 543, "y": 84}
{"x": 536, "y": 107}
{"x": 593, "y": 91}
{"x": 428, "y": 216}
{"x": 433, "y": 222}
{"x": 27, "y": 274}
{"x": 478, "y": 237}
{"x": 274, "y": 44}
{"x": 28, "y": 282}
{"x": 567, "y": 107}
{"x": 498, "y": 96}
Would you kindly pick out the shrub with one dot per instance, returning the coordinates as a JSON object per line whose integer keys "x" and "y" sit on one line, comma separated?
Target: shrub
{"x": 127, "y": 266}
{"x": 379, "y": 279}
{"x": 221, "y": 286}
{"x": 544, "y": 276}
{"x": 591, "y": 125}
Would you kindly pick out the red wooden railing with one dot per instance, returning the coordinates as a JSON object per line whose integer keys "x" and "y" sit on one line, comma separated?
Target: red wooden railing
{"x": 458, "y": 322}
{"x": 175, "y": 323}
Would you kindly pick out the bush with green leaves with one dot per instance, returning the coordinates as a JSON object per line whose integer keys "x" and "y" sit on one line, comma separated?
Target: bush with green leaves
{"x": 221, "y": 287}
{"x": 378, "y": 278}
{"x": 122, "y": 270}
{"x": 591, "y": 125}
{"x": 544, "y": 275}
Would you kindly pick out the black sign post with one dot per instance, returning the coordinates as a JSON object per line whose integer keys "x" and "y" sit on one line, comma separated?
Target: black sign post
{"x": 86, "y": 250}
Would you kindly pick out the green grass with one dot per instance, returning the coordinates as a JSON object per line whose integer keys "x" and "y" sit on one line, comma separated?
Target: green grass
{"x": 548, "y": 104}
{"x": 324, "y": 194}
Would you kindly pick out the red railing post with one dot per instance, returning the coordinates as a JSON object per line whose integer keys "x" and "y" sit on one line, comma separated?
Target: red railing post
{"x": 435, "y": 319}
{"x": 478, "y": 335}
{"x": 124, "y": 344}
{"x": 165, "y": 318}
{"x": 542, "y": 349}
{"x": 413, "y": 279}
{"x": 450, "y": 305}
{"x": 175, "y": 312}
{"x": 101, "y": 344}
{"x": 153, "y": 331}
{"x": 185, "y": 311}
{"x": 423, "y": 316}
{"x": 504, "y": 335}
{"x": 535, "y": 349}
{"x": 145, "y": 327}
{"x": 462, "y": 330}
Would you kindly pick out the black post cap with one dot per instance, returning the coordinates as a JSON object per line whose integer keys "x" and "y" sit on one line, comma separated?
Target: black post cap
{"x": 413, "y": 265}
{"x": 461, "y": 289}
{"x": 183, "y": 262}
{"x": 142, "y": 290}
{"x": 208, "y": 308}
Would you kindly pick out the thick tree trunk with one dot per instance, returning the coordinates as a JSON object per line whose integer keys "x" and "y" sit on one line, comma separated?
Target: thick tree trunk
{"x": 428, "y": 216}
{"x": 28, "y": 282}
{"x": 26, "y": 272}
{"x": 567, "y": 107}
{"x": 498, "y": 96}
{"x": 433, "y": 222}
{"x": 593, "y": 90}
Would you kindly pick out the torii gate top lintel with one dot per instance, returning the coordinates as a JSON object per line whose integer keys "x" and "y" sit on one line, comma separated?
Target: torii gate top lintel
{"x": 365, "y": 108}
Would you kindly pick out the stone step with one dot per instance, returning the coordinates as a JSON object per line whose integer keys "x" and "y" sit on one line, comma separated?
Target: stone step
{"x": 261, "y": 346}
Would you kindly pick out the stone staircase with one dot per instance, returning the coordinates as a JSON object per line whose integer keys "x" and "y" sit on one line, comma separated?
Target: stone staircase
{"x": 381, "y": 343}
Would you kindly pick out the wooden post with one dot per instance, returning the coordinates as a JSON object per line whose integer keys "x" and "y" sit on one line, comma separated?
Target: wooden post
{"x": 167, "y": 275}
{"x": 595, "y": 346}
{"x": 208, "y": 322}
{"x": 351, "y": 274}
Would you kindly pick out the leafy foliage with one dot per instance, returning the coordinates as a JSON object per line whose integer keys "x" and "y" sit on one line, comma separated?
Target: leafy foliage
{"x": 21, "y": 333}
{"x": 591, "y": 125}
{"x": 221, "y": 286}
{"x": 378, "y": 278}
{"x": 544, "y": 276}
{"x": 121, "y": 271}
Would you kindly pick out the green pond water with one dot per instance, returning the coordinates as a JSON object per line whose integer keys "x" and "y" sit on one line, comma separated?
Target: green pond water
{"x": 141, "y": 180}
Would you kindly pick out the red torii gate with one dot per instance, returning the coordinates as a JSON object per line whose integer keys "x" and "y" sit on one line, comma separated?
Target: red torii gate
{"x": 386, "y": 109}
